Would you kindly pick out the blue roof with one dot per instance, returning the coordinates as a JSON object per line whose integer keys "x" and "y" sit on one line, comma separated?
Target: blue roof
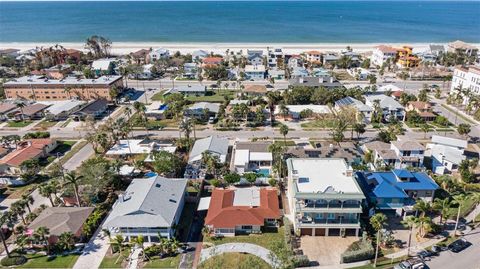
{"x": 390, "y": 185}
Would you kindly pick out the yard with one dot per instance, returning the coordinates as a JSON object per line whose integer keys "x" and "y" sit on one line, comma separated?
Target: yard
{"x": 63, "y": 146}
{"x": 153, "y": 124}
{"x": 19, "y": 124}
{"x": 318, "y": 124}
{"x": 217, "y": 96}
{"x": 74, "y": 149}
{"x": 44, "y": 261}
{"x": 45, "y": 124}
{"x": 234, "y": 260}
{"x": 110, "y": 259}
{"x": 168, "y": 262}
{"x": 469, "y": 205}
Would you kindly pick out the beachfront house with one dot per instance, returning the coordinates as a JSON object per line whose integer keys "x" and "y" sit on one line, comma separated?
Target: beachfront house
{"x": 324, "y": 198}
{"x": 149, "y": 207}
{"x": 103, "y": 67}
{"x": 157, "y": 54}
{"x": 254, "y": 72}
{"x": 381, "y": 54}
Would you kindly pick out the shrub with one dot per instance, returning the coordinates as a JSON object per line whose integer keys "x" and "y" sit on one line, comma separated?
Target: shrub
{"x": 358, "y": 251}
{"x": 13, "y": 260}
{"x": 301, "y": 261}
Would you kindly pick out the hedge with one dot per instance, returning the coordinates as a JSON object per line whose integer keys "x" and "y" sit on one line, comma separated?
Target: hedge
{"x": 358, "y": 251}
{"x": 301, "y": 261}
{"x": 13, "y": 260}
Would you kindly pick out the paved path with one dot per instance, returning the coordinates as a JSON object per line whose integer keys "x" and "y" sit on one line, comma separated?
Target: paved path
{"x": 79, "y": 157}
{"x": 253, "y": 249}
{"x": 94, "y": 251}
{"x": 133, "y": 261}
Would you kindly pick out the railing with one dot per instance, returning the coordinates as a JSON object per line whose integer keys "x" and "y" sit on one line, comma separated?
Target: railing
{"x": 328, "y": 221}
{"x": 325, "y": 205}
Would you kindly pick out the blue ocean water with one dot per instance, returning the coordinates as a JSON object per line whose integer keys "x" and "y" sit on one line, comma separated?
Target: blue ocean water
{"x": 259, "y": 21}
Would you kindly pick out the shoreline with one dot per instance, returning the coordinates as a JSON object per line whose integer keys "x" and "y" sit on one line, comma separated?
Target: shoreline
{"x": 220, "y": 48}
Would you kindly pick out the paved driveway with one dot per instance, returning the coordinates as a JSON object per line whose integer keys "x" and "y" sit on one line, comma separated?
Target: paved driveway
{"x": 94, "y": 251}
{"x": 253, "y": 249}
{"x": 79, "y": 157}
{"x": 326, "y": 250}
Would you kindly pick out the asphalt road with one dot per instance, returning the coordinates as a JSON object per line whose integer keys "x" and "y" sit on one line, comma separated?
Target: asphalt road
{"x": 79, "y": 157}
{"x": 467, "y": 259}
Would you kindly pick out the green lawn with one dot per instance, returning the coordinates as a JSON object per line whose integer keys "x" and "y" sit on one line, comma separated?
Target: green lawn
{"x": 288, "y": 143}
{"x": 168, "y": 262}
{"x": 45, "y": 124}
{"x": 63, "y": 146}
{"x": 76, "y": 148}
{"x": 216, "y": 96}
{"x": 318, "y": 124}
{"x": 233, "y": 261}
{"x": 264, "y": 239}
{"x": 19, "y": 124}
{"x": 158, "y": 96}
{"x": 469, "y": 204}
{"x": 43, "y": 261}
{"x": 109, "y": 260}
{"x": 153, "y": 124}
{"x": 382, "y": 263}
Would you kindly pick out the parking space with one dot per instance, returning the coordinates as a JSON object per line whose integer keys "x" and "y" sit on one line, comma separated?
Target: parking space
{"x": 325, "y": 250}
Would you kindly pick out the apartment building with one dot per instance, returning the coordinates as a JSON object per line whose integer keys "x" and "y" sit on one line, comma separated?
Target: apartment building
{"x": 40, "y": 88}
{"x": 467, "y": 78}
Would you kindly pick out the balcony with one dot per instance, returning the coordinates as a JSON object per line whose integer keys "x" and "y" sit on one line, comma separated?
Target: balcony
{"x": 329, "y": 207}
{"x": 307, "y": 221}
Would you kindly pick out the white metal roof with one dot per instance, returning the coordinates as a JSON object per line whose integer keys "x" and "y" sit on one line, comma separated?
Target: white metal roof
{"x": 204, "y": 203}
{"x": 261, "y": 156}
{"x": 242, "y": 157}
{"x": 322, "y": 175}
{"x": 58, "y": 107}
{"x": 246, "y": 197}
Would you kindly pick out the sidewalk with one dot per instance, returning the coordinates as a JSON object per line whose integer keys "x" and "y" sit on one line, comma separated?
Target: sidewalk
{"x": 94, "y": 251}
{"x": 415, "y": 249}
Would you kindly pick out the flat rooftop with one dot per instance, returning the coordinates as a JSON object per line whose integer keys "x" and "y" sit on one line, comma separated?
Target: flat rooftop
{"x": 41, "y": 80}
{"x": 322, "y": 175}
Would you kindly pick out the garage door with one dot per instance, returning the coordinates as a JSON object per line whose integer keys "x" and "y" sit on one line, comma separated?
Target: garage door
{"x": 351, "y": 232}
{"x": 333, "y": 232}
{"x": 306, "y": 231}
{"x": 319, "y": 232}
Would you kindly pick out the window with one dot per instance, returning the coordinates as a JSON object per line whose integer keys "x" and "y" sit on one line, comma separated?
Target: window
{"x": 428, "y": 193}
{"x": 246, "y": 227}
{"x": 331, "y": 216}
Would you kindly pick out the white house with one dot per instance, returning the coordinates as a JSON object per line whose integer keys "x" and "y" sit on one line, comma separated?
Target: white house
{"x": 446, "y": 153}
{"x": 389, "y": 106}
{"x": 103, "y": 66}
{"x": 214, "y": 145}
{"x": 252, "y": 157}
{"x": 254, "y": 72}
{"x": 150, "y": 207}
{"x": 159, "y": 53}
{"x": 294, "y": 111}
{"x": 466, "y": 78}
{"x": 361, "y": 108}
{"x": 382, "y": 54}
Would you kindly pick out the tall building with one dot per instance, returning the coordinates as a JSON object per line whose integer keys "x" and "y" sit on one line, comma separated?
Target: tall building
{"x": 466, "y": 78}
{"x": 324, "y": 197}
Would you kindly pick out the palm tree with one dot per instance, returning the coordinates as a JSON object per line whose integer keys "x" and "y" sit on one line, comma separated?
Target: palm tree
{"x": 19, "y": 209}
{"x": 424, "y": 224}
{"x": 425, "y": 129}
{"x": 21, "y": 241}
{"x": 21, "y": 106}
{"x": 284, "y": 132}
{"x": 46, "y": 190}
{"x": 186, "y": 126}
{"x": 277, "y": 151}
{"x": 378, "y": 221}
{"x": 72, "y": 179}
{"x": 409, "y": 222}
{"x": 272, "y": 100}
{"x": 284, "y": 110}
{"x": 8, "y": 219}
{"x": 28, "y": 200}
{"x": 43, "y": 233}
{"x": 422, "y": 206}
{"x": 442, "y": 206}
{"x": 460, "y": 200}
{"x": 66, "y": 241}
{"x": 118, "y": 242}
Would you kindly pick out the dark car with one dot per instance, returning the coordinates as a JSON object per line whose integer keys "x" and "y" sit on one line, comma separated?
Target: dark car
{"x": 438, "y": 248}
{"x": 425, "y": 254}
{"x": 459, "y": 245}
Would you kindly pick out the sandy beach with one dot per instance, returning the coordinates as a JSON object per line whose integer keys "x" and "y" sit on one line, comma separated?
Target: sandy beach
{"x": 119, "y": 48}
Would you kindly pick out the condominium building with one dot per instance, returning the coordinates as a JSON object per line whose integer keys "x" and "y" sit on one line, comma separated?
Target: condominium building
{"x": 467, "y": 78}
{"x": 324, "y": 197}
{"x": 40, "y": 88}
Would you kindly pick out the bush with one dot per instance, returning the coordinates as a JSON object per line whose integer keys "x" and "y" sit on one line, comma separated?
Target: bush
{"x": 13, "y": 260}
{"x": 301, "y": 261}
{"x": 358, "y": 251}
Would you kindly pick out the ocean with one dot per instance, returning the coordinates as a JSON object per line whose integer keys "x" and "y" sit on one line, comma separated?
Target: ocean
{"x": 242, "y": 22}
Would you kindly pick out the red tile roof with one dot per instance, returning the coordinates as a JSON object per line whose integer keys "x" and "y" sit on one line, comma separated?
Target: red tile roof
{"x": 420, "y": 104}
{"x": 223, "y": 214}
{"x": 26, "y": 150}
{"x": 387, "y": 49}
{"x": 212, "y": 60}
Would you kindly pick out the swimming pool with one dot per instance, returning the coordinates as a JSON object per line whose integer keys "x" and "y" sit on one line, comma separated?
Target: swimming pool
{"x": 151, "y": 174}
{"x": 264, "y": 172}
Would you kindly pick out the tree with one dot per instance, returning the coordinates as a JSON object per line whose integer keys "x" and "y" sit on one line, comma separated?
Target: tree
{"x": 28, "y": 200}
{"x": 460, "y": 200}
{"x": 463, "y": 129}
{"x": 378, "y": 221}
{"x": 409, "y": 222}
{"x": 359, "y": 129}
{"x": 443, "y": 207}
{"x": 338, "y": 128}
{"x": 71, "y": 178}
{"x": 66, "y": 241}
{"x": 18, "y": 209}
{"x": 232, "y": 178}
{"x": 272, "y": 100}
{"x": 42, "y": 233}
{"x": 425, "y": 129}
{"x": 284, "y": 132}
{"x": 166, "y": 163}
{"x": 251, "y": 177}
{"x": 46, "y": 191}
{"x": 423, "y": 206}
{"x": 277, "y": 151}
{"x": 423, "y": 95}
{"x": 20, "y": 106}
{"x": 211, "y": 163}
{"x": 7, "y": 219}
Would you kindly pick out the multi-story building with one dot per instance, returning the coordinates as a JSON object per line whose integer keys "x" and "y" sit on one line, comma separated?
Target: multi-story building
{"x": 383, "y": 53}
{"x": 275, "y": 57}
{"x": 399, "y": 154}
{"x": 313, "y": 56}
{"x": 459, "y": 45}
{"x": 255, "y": 72}
{"x": 406, "y": 58}
{"x": 159, "y": 53}
{"x": 42, "y": 89}
{"x": 466, "y": 78}
{"x": 390, "y": 107}
{"x": 324, "y": 197}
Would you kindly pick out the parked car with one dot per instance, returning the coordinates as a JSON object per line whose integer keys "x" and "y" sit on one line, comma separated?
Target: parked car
{"x": 414, "y": 263}
{"x": 459, "y": 245}
{"x": 426, "y": 254}
{"x": 438, "y": 248}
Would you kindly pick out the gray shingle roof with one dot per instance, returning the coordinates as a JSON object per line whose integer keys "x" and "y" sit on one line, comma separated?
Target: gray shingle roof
{"x": 62, "y": 219}
{"x": 148, "y": 202}
{"x": 212, "y": 144}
